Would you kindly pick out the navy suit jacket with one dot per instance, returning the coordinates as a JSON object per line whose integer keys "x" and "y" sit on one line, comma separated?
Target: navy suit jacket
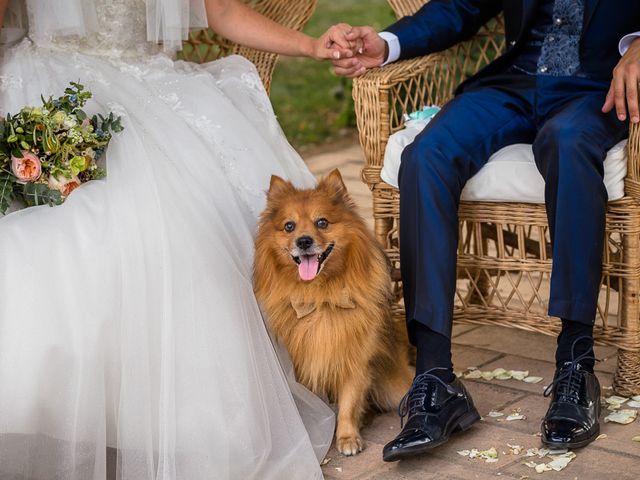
{"x": 441, "y": 24}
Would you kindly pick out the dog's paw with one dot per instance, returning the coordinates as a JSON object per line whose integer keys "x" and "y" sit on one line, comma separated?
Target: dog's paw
{"x": 350, "y": 445}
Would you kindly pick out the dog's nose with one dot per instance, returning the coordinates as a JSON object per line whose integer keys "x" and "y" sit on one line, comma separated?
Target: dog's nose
{"x": 304, "y": 242}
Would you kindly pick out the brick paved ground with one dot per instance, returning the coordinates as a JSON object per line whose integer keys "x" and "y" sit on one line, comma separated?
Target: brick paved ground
{"x": 614, "y": 457}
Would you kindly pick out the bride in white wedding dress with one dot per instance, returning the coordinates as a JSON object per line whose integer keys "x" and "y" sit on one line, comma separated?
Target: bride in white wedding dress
{"x": 128, "y": 325}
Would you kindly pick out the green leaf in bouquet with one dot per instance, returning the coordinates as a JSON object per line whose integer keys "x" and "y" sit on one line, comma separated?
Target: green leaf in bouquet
{"x": 7, "y": 190}
{"x": 81, "y": 115}
{"x": 40, "y": 194}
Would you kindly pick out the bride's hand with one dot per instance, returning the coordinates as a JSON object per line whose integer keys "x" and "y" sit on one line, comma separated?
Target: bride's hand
{"x": 334, "y": 45}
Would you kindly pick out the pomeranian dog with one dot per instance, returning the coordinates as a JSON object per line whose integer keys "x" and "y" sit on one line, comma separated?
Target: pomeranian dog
{"x": 324, "y": 284}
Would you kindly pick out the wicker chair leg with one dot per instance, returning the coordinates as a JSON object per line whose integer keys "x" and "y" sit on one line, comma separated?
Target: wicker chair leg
{"x": 627, "y": 377}
{"x": 626, "y": 381}
{"x": 382, "y": 227}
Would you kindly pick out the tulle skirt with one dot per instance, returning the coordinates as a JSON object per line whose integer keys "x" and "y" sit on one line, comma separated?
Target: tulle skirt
{"x": 128, "y": 324}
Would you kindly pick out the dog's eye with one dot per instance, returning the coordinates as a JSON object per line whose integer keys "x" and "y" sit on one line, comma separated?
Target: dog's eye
{"x": 289, "y": 227}
{"x": 322, "y": 223}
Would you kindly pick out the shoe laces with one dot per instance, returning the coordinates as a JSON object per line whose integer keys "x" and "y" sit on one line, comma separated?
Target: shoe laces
{"x": 569, "y": 381}
{"x": 413, "y": 401}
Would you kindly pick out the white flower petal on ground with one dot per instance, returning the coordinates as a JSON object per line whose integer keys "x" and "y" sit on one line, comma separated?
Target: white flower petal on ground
{"x": 636, "y": 398}
{"x": 636, "y": 439}
{"x": 473, "y": 374}
{"x": 487, "y": 375}
{"x": 519, "y": 374}
{"x": 502, "y": 375}
{"x": 515, "y": 449}
{"x": 532, "y": 379}
{"x": 615, "y": 400}
{"x": 542, "y": 467}
{"x": 633, "y": 404}
{"x": 623, "y": 417}
{"x": 494, "y": 414}
{"x": 561, "y": 461}
{"x": 464, "y": 453}
{"x": 601, "y": 436}
{"x": 515, "y": 416}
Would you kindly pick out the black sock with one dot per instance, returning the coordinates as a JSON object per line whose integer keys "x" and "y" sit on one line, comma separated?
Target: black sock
{"x": 571, "y": 331}
{"x": 434, "y": 351}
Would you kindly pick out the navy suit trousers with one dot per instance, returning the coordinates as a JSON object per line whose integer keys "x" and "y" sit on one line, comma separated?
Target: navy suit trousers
{"x": 562, "y": 118}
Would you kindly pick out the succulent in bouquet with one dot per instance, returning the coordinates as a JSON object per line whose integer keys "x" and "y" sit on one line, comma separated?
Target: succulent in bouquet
{"x": 46, "y": 152}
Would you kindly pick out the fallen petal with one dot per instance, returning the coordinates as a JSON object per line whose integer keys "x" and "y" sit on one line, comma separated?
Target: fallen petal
{"x": 543, "y": 467}
{"x": 515, "y": 416}
{"x": 519, "y": 374}
{"x": 623, "y": 417}
{"x": 487, "y": 375}
{"x": 502, "y": 376}
{"x": 473, "y": 374}
{"x": 533, "y": 379}
{"x": 615, "y": 400}
{"x": 633, "y": 404}
{"x": 561, "y": 462}
{"x": 494, "y": 414}
{"x": 636, "y": 438}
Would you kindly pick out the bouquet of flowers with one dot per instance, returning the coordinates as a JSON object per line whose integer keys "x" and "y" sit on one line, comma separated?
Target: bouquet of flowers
{"x": 46, "y": 152}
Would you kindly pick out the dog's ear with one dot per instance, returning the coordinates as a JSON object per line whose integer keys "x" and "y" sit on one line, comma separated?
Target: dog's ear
{"x": 278, "y": 186}
{"x": 334, "y": 185}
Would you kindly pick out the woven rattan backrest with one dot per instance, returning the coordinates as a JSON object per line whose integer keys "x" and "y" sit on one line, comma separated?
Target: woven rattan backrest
{"x": 402, "y": 8}
{"x": 206, "y": 46}
{"x": 456, "y": 64}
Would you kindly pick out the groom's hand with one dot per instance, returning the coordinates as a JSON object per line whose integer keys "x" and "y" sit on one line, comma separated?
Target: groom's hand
{"x": 371, "y": 52}
{"x": 623, "y": 92}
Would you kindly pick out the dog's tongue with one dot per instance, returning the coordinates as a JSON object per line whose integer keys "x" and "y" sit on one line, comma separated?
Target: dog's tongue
{"x": 308, "y": 268}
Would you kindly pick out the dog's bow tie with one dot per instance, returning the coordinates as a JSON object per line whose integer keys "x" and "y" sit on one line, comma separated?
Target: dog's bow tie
{"x": 303, "y": 308}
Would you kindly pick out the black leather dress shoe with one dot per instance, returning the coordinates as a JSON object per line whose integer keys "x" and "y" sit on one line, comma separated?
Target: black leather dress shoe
{"x": 572, "y": 418}
{"x": 436, "y": 409}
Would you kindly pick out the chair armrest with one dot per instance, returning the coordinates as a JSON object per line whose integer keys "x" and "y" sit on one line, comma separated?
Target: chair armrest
{"x": 632, "y": 182}
{"x": 382, "y": 96}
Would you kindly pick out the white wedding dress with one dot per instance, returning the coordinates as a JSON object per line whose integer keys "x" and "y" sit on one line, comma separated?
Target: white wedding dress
{"x": 128, "y": 324}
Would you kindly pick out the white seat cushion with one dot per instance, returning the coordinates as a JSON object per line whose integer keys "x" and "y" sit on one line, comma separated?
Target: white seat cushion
{"x": 510, "y": 175}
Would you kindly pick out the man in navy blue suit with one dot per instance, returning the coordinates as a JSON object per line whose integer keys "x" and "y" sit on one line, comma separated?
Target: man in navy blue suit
{"x": 568, "y": 84}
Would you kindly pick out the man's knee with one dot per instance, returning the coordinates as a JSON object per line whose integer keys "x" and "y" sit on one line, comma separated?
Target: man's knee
{"x": 562, "y": 151}
{"x": 427, "y": 160}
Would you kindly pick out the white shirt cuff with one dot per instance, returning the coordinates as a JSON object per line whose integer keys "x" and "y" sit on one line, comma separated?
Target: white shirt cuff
{"x": 626, "y": 41}
{"x": 394, "y": 46}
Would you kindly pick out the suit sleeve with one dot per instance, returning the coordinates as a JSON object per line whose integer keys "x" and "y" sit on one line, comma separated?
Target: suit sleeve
{"x": 441, "y": 24}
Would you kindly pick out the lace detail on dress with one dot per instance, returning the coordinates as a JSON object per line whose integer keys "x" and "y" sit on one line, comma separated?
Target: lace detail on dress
{"x": 8, "y": 82}
{"x": 560, "y": 53}
{"x": 121, "y": 31}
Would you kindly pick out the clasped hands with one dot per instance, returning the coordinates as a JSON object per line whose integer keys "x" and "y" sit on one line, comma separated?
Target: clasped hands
{"x": 354, "y": 50}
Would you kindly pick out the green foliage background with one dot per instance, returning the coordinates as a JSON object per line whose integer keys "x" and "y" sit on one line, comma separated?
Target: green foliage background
{"x": 313, "y": 105}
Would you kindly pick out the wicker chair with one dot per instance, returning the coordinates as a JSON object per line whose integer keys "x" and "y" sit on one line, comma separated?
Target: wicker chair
{"x": 504, "y": 254}
{"x": 206, "y": 46}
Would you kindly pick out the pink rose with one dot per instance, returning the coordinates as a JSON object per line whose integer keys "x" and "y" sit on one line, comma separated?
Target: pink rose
{"x": 28, "y": 168}
{"x": 64, "y": 185}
